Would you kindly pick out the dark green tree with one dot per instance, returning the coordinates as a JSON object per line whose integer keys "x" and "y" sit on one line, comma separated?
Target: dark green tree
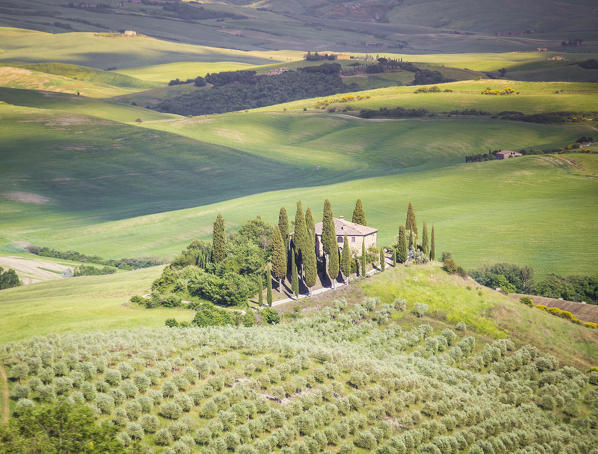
{"x": 294, "y": 274}
{"x": 260, "y": 286}
{"x": 333, "y": 264}
{"x": 425, "y": 244}
{"x": 283, "y": 226}
{"x": 394, "y": 257}
{"x": 279, "y": 257}
{"x": 432, "y": 246}
{"x": 328, "y": 231}
{"x": 359, "y": 214}
{"x": 382, "y": 259}
{"x": 310, "y": 224}
{"x": 346, "y": 258}
{"x": 60, "y": 427}
{"x": 218, "y": 240}
{"x": 300, "y": 236}
{"x": 9, "y": 278}
{"x": 411, "y": 224}
{"x": 310, "y": 264}
{"x": 268, "y": 286}
{"x": 411, "y": 240}
{"x": 363, "y": 268}
{"x": 402, "y": 246}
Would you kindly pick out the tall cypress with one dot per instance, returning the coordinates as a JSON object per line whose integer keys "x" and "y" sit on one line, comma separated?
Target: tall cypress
{"x": 359, "y": 214}
{"x": 425, "y": 244}
{"x": 402, "y": 249}
{"x": 394, "y": 257}
{"x": 346, "y": 259}
{"x": 294, "y": 275}
{"x": 333, "y": 264}
{"x": 310, "y": 264}
{"x": 279, "y": 257}
{"x": 310, "y": 224}
{"x": 411, "y": 240}
{"x": 328, "y": 230}
{"x": 432, "y": 246}
{"x": 218, "y": 240}
{"x": 300, "y": 237}
{"x": 260, "y": 295}
{"x": 283, "y": 226}
{"x": 363, "y": 264}
{"x": 382, "y": 259}
{"x": 269, "y": 287}
{"x": 411, "y": 224}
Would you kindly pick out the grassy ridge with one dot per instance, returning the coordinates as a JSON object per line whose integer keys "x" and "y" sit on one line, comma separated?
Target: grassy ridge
{"x": 105, "y": 50}
{"x": 533, "y": 97}
{"x": 485, "y": 212}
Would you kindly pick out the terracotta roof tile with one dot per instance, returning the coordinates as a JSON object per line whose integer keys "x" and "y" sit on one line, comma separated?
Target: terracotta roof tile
{"x": 344, "y": 227}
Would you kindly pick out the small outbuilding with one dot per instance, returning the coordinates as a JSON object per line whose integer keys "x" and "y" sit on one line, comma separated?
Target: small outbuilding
{"x": 130, "y": 33}
{"x": 506, "y": 154}
{"x": 356, "y": 235}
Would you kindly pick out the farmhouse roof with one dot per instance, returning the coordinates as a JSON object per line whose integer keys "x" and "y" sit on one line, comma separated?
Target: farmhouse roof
{"x": 344, "y": 227}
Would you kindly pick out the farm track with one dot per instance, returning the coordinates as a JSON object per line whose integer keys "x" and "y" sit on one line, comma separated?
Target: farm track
{"x": 4, "y": 386}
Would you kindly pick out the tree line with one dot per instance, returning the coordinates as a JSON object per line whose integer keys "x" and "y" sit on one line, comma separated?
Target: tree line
{"x": 239, "y": 90}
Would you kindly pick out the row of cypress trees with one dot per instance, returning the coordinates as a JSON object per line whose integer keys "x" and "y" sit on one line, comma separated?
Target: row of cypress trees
{"x": 408, "y": 241}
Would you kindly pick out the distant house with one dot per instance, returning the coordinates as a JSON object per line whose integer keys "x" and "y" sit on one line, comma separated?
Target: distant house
{"x": 356, "y": 234}
{"x": 506, "y": 154}
{"x": 542, "y": 49}
{"x": 558, "y": 58}
{"x": 343, "y": 57}
{"x": 130, "y": 33}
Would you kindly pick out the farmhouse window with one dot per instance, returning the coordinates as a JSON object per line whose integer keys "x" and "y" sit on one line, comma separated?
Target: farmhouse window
{"x": 352, "y": 239}
{"x": 339, "y": 239}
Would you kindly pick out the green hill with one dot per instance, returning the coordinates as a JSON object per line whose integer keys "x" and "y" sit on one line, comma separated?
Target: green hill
{"x": 525, "y": 203}
{"x": 429, "y": 385}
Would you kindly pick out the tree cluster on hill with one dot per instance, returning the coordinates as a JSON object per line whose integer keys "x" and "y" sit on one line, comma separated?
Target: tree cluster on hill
{"x": 123, "y": 264}
{"x": 8, "y": 278}
{"x": 318, "y": 57}
{"x": 396, "y": 112}
{"x": 411, "y": 247}
{"x": 512, "y": 278}
{"x": 89, "y": 270}
{"x": 239, "y": 90}
{"x": 591, "y": 63}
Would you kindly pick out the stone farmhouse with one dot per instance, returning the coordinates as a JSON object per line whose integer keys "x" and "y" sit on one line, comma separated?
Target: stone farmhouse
{"x": 506, "y": 154}
{"x": 356, "y": 234}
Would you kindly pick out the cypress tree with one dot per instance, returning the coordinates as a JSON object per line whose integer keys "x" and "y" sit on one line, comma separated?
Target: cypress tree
{"x": 411, "y": 224}
{"x": 218, "y": 240}
{"x": 432, "y": 246}
{"x": 310, "y": 225}
{"x": 425, "y": 244}
{"x": 279, "y": 257}
{"x": 363, "y": 258}
{"x": 402, "y": 249}
{"x": 300, "y": 237}
{"x": 283, "y": 226}
{"x": 382, "y": 259}
{"x": 333, "y": 264}
{"x": 394, "y": 257}
{"x": 411, "y": 241}
{"x": 359, "y": 214}
{"x": 328, "y": 231}
{"x": 346, "y": 259}
{"x": 269, "y": 287}
{"x": 310, "y": 264}
{"x": 294, "y": 275}
{"x": 260, "y": 295}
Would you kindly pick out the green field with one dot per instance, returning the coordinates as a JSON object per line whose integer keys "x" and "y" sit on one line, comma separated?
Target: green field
{"x": 533, "y": 97}
{"x": 483, "y": 213}
{"x": 182, "y": 70}
{"x": 87, "y": 303}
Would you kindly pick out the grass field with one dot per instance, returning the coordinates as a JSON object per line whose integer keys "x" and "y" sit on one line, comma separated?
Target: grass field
{"x": 105, "y": 50}
{"x": 483, "y": 213}
{"x": 79, "y": 304}
{"x": 533, "y": 97}
{"x": 182, "y": 70}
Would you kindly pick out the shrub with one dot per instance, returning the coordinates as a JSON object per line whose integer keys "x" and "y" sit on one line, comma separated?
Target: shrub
{"x": 202, "y": 436}
{"x": 149, "y": 423}
{"x": 129, "y": 389}
{"x": 171, "y": 410}
{"x": 270, "y": 316}
{"x": 105, "y": 403}
{"x": 177, "y": 429}
{"x": 365, "y": 440}
{"x": 112, "y": 377}
{"x": 591, "y": 325}
{"x": 527, "y": 301}
{"x": 594, "y": 378}
{"x": 420, "y": 309}
{"x": 461, "y": 326}
{"x": 163, "y": 437}
{"x": 135, "y": 431}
